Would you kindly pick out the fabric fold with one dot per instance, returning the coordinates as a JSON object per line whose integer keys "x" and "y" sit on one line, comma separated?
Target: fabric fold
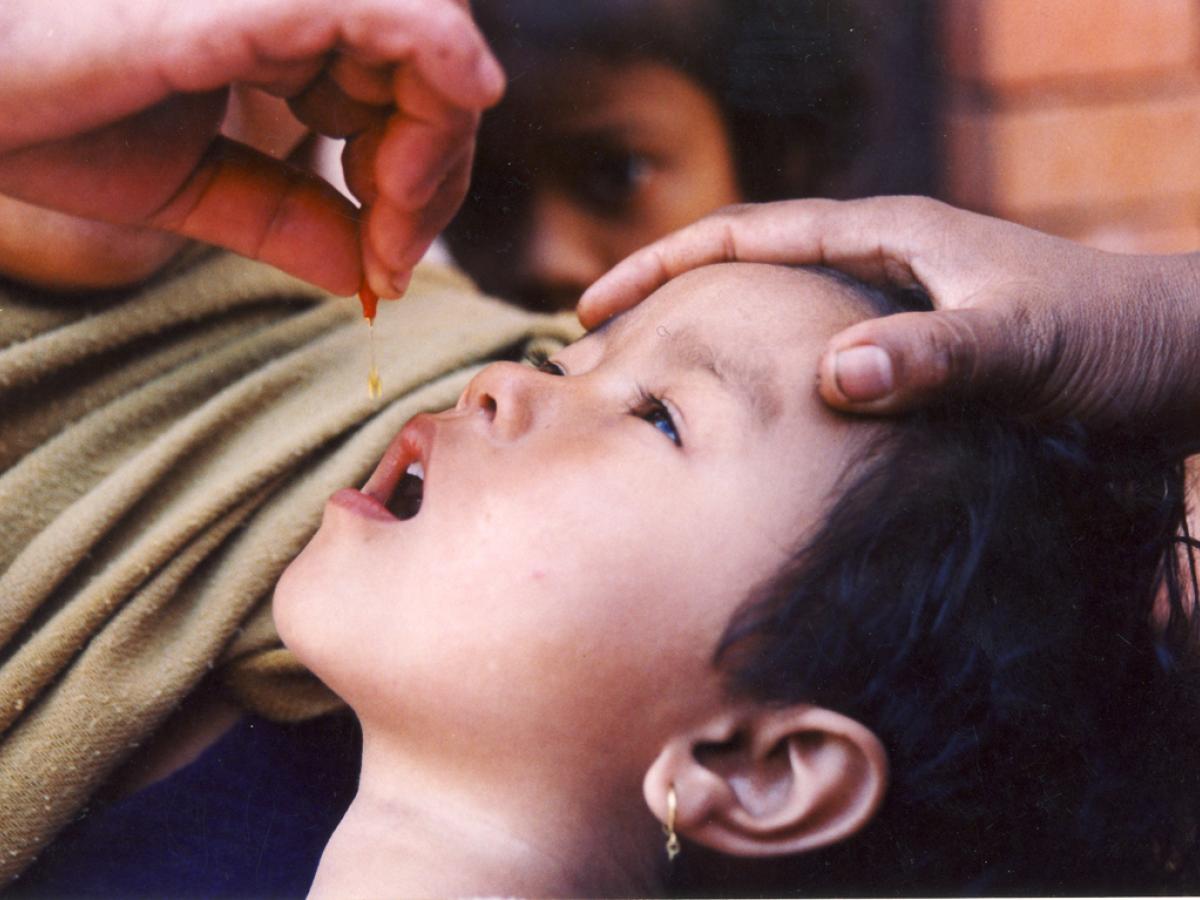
{"x": 165, "y": 455}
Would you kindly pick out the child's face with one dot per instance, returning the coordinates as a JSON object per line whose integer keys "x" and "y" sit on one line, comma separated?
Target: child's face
{"x": 581, "y": 545}
{"x": 584, "y": 161}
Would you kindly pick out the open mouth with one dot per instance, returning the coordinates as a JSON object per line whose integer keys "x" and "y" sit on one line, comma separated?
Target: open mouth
{"x": 405, "y": 499}
{"x": 396, "y": 489}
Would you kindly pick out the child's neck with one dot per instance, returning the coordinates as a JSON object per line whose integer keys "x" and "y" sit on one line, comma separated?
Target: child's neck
{"x": 412, "y": 832}
{"x": 383, "y": 850}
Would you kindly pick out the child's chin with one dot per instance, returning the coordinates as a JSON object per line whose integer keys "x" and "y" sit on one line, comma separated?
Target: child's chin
{"x": 296, "y": 602}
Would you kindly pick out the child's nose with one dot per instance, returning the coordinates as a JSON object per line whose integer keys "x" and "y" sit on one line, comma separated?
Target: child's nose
{"x": 508, "y": 395}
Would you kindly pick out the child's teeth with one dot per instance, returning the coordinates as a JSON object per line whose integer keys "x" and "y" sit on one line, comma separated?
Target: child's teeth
{"x": 416, "y": 470}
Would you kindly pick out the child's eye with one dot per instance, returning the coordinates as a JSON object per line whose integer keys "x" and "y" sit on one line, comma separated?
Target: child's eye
{"x": 608, "y": 178}
{"x": 542, "y": 362}
{"x": 654, "y": 411}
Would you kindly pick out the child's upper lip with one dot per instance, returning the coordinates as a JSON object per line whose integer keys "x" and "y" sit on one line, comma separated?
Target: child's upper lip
{"x": 413, "y": 443}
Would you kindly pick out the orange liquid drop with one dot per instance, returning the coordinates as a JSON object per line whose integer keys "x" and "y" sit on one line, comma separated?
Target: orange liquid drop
{"x": 374, "y": 383}
{"x": 370, "y": 304}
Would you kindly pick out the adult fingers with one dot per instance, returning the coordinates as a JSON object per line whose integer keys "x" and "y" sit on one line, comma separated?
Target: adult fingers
{"x": 410, "y": 170}
{"x": 358, "y": 164}
{"x": 438, "y": 38}
{"x": 845, "y": 234}
{"x": 346, "y": 98}
{"x": 422, "y": 143}
{"x": 329, "y": 110}
{"x": 900, "y": 362}
{"x": 451, "y": 55}
{"x": 416, "y": 174}
{"x": 394, "y": 238}
{"x": 53, "y": 53}
{"x": 264, "y": 209}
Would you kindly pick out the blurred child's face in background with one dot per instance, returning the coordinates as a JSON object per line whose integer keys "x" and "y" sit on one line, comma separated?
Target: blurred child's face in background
{"x": 585, "y": 161}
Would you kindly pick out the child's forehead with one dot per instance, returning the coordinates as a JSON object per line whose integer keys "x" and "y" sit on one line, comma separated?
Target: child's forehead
{"x": 735, "y": 306}
{"x": 757, "y": 330}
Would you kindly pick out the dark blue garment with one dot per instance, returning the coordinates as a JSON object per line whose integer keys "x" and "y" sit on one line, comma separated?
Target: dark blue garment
{"x": 248, "y": 818}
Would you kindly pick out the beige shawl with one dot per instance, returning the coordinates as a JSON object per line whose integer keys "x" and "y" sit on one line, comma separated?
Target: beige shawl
{"x": 163, "y": 455}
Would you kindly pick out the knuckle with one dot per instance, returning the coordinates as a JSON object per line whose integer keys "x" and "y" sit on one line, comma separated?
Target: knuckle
{"x": 1030, "y": 358}
{"x": 917, "y": 203}
{"x": 1043, "y": 339}
{"x": 918, "y": 211}
{"x": 953, "y": 351}
{"x": 733, "y": 211}
{"x": 1008, "y": 356}
{"x": 920, "y": 205}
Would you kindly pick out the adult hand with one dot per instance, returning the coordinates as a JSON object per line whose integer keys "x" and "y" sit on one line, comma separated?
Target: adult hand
{"x": 1043, "y": 327}
{"x": 111, "y": 110}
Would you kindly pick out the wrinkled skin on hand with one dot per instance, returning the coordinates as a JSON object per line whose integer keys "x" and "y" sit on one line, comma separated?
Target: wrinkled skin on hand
{"x": 111, "y": 111}
{"x": 1039, "y": 326}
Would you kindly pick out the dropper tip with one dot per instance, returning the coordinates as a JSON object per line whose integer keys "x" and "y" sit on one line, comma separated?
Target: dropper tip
{"x": 370, "y": 302}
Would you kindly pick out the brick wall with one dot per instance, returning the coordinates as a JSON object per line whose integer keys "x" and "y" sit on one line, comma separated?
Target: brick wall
{"x": 1080, "y": 117}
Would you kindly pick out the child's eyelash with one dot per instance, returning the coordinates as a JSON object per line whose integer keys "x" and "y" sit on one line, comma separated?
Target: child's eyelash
{"x": 655, "y": 410}
{"x": 648, "y": 406}
{"x": 540, "y": 360}
{"x": 536, "y": 357}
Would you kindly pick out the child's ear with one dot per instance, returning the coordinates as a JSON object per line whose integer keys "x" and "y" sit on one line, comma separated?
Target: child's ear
{"x": 770, "y": 781}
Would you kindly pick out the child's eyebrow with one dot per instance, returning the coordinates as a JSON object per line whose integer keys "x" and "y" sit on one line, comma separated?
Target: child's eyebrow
{"x": 757, "y": 384}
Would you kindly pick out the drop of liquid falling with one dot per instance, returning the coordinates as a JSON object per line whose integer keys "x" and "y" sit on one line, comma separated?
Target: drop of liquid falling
{"x": 374, "y": 384}
{"x": 370, "y": 302}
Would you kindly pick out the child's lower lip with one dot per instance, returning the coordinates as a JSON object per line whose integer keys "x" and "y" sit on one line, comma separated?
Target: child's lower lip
{"x": 361, "y": 505}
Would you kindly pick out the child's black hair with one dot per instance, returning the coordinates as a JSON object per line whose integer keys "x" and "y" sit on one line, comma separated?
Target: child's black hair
{"x": 1005, "y": 608}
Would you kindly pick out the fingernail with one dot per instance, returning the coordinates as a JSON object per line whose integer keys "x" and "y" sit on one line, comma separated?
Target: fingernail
{"x": 400, "y": 283}
{"x": 863, "y": 373}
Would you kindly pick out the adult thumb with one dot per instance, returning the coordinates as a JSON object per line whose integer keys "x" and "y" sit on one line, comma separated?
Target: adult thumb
{"x": 266, "y": 209}
{"x": 908, "y": 360}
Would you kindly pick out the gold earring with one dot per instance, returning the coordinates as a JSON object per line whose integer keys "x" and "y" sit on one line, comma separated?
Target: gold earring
{"x": 669, "y": 828}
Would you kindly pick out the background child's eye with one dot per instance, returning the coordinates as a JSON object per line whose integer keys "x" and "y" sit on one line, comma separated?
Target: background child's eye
{"x": 550, "y": 367}
{"x": 607, "y": 178}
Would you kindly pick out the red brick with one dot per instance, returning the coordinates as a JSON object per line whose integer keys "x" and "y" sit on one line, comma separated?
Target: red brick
{"x": 1017, "y": 43}
{"x": 1017, "y": 161}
